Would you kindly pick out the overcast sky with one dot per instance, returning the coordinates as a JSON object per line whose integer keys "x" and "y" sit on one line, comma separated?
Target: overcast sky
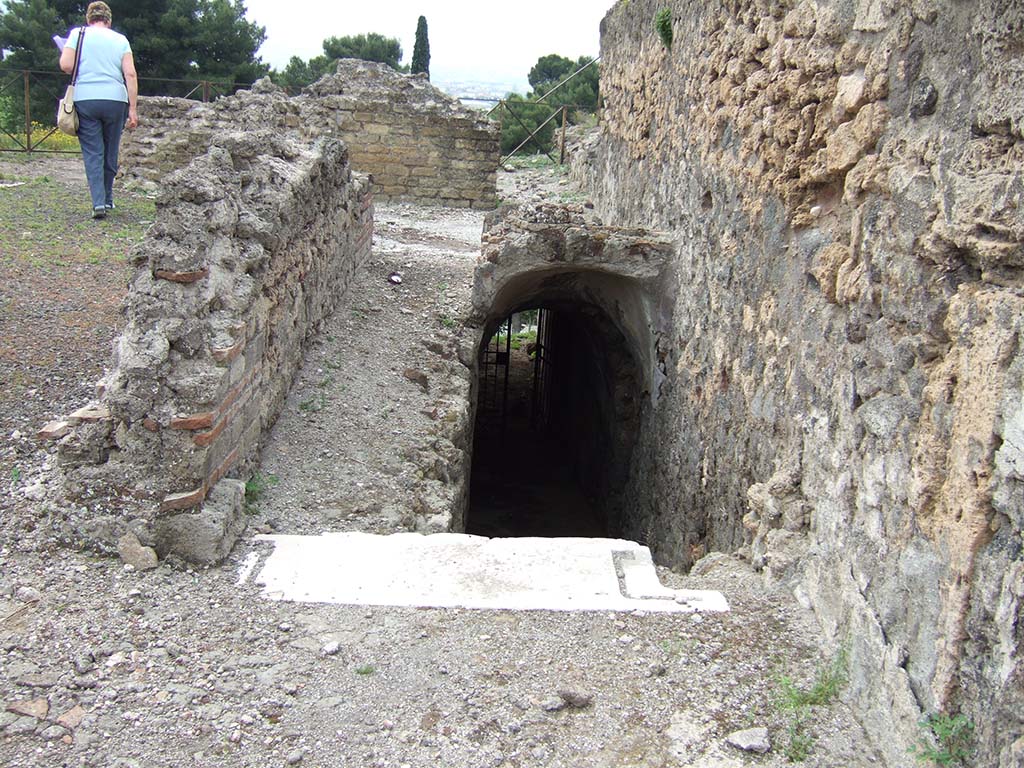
{"x": 484, "y": 41}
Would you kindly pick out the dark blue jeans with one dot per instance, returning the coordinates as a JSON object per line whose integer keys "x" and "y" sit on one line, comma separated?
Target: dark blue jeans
{"x": 100, "y": 123}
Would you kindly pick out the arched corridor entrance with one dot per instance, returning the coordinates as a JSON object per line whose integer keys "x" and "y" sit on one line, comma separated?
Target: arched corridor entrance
{"x": 572, "y": 314}
{"x": 557, "y": 410}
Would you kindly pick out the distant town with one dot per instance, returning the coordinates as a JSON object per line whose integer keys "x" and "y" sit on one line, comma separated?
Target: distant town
{"x": 477, "y": 93}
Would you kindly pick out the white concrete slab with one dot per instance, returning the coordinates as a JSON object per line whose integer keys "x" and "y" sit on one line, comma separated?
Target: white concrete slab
{"x": 458, "y": 570}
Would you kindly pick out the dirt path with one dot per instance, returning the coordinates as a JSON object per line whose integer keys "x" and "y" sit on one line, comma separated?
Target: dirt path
{"x": 102, "y": 666}
{"x": 381, "y": 387}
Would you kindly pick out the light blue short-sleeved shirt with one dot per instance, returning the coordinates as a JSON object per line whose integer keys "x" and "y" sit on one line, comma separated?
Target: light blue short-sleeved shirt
{"x": 99, "y": 74}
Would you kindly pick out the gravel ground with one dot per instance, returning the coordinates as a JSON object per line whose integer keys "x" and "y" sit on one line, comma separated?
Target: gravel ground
{"x": 105, "y": 666}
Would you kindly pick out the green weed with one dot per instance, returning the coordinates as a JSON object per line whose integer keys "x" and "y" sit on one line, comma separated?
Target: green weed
{"x": 315, "y": 403}
{"x": 949, "y": 740}
{"x": 256, "y": 486}
{"x": 54, "y": 142}
{"x": 795, "y": 703}
{"x": 799, "y": 738}
{"x": 365, "y": 669}
{"x": 828, "y": 682}
{"x": 527, "y": 336}
{"x": 674, "y": 647}
{"x": 663, "y": 25}
{"x": 517, "y": 340}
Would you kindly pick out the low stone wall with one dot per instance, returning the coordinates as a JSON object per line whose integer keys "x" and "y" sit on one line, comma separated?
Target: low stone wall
{"x": 417, "y": 143}
{"x": 254, "y": 243}
{"x": 844, "y": 371}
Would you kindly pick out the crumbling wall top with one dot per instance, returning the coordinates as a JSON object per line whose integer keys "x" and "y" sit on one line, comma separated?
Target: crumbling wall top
{"x": 368, "y": 82}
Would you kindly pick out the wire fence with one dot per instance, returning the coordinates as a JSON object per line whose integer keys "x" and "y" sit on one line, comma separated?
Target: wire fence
{"x": 536, "y": 120}
{"x": 28, "y": 106}
{"x": 28, "y": 103}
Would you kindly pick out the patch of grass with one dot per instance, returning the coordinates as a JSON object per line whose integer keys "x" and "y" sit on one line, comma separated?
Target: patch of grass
{"x": 256, "y": 486}
{"x": 795, "y": 703}
{"x": 527, "y": 336}
{"x": 529, "y": 161}
{"x": 47, "y": 224}
{"x": 949, "y": 740}
{"x": 571, "y": 197}
{"x": 448, "y": 321}
{"x": 365, "y": 669}
{"x": 828, "y": 681}
{"x": 674, "y": 647}
{"x": 517, "y": 340}
{"x": 663, "y": 25}
{"x": 500, "y": 339}
{"x": 315, "y": 403}
{"x": 799, "y": 738}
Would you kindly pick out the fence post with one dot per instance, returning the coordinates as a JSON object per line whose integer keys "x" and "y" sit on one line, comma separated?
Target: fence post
{"x": 565, "y": 118}
{"x": 206, "y": 91}
{"x": 28, "y": 113}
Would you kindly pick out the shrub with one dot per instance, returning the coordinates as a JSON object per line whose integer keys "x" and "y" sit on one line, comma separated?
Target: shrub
{"x": 952, "y": 736}
{"x": 57, "y": 141}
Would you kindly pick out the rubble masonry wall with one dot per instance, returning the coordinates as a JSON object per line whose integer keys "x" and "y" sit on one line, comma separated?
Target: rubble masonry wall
{"x": 254, "y": 243}
{"x": 843, "y": 394}
{"x": 418, "y": 144}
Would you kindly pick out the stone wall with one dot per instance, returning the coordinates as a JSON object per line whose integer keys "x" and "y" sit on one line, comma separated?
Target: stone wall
{"x": 843, "y": 379}
{"x": 418, "y": 143}
{"x": 254, "y": 243}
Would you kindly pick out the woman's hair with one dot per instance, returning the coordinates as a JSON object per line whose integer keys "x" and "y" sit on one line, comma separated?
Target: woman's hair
{"x": 98, "y": 12}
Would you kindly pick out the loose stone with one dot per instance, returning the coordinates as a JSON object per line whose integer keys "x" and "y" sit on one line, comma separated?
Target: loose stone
{"x": 750, "y": 740}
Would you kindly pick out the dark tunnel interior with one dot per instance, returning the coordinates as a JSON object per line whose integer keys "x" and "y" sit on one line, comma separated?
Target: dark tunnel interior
{"x": 557, "y": 411}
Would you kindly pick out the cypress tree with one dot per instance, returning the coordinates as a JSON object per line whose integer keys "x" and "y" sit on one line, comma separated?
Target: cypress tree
{"x": 421, "y": 49}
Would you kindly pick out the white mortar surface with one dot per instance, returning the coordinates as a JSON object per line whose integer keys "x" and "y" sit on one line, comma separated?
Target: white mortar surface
{"x": 450, "y": 570}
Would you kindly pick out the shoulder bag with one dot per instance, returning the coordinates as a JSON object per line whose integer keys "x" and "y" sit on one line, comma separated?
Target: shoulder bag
{"x": 67, "y": 115}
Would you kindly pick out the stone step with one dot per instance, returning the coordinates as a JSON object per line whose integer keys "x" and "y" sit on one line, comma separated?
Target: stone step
{"x": 449, "y": 570}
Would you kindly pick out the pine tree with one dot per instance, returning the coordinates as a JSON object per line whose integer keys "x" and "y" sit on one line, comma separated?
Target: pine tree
{"x": 421, "y": 49}
{"x": 178, "y": 39}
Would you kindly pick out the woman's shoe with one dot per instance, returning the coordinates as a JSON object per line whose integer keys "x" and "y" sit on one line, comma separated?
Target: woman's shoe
{"x": 99, "y": 212}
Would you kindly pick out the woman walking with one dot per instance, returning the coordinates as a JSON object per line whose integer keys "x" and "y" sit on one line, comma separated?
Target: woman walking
{"x": 106, "y": 97}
